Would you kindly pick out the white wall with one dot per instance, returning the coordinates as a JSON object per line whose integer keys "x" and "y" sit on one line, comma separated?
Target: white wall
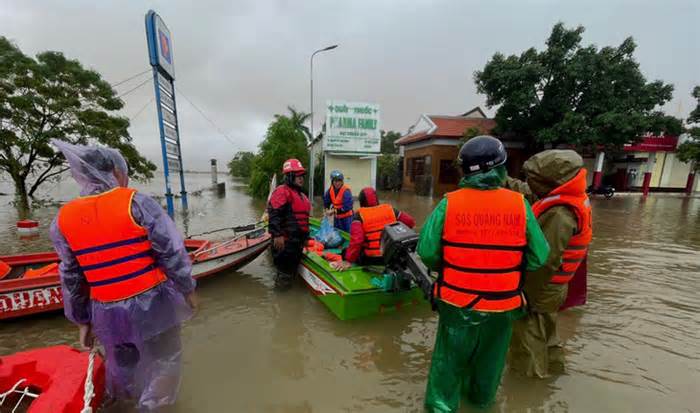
{"x": 359, "y": 171}
{"x": 675, "y": 172}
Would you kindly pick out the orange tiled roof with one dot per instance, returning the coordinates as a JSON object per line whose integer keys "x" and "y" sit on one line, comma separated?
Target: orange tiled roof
{"x": 448, "y": 127}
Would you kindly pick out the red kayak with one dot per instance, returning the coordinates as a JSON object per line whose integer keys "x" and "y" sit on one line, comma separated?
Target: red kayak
{"x": 29, "y": 283}
{"x": 50, "y": 379}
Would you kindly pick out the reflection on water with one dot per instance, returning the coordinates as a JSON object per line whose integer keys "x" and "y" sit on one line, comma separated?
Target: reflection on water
{"x": 634, "y": 347}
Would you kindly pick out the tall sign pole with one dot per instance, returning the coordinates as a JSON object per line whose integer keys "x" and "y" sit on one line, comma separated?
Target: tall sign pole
{"x": 160, "y": 52}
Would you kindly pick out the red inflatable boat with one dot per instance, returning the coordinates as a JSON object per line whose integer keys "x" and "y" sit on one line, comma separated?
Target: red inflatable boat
{"x": 49, "y": 380}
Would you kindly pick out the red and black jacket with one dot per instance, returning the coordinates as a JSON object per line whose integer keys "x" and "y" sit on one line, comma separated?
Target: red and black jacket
{"x": 289, "y": 209}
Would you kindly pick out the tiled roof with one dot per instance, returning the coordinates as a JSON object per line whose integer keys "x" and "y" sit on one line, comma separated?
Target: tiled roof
{"x": 448, "y": 127}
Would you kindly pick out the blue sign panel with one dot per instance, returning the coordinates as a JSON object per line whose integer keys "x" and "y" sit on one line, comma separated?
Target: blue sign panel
{"x": 160, "y": 44}
{"x": 160, "y": 51}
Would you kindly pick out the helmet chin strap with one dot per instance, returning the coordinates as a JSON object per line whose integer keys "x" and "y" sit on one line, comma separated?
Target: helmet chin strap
{"x": 289, "y": 179}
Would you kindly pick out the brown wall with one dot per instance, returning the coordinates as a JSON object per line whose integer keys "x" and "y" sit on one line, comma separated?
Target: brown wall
{"x": 437, "y": 153}
{"x": 516, "y": 158}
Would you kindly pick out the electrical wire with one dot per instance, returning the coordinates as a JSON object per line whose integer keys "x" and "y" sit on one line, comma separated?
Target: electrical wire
{"x": 130, "y": 78}
{"x": 218, "y": 129}
{"x": 134, "y": 88}
{"x": 138, "y": 112}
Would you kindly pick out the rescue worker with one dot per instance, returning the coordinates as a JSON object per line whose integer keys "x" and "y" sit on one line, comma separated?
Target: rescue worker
{"x": 338, "y": 200}
{"x": 479, "y": 239}
{"x": 366, "y": 230}
{"x": 125, "y": 275}
{"x": 288, "y": 209}
{"x": 557, "y": 178}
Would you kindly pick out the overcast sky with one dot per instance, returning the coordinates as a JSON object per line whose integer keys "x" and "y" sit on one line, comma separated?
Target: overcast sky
{"x": 243, "y": 61}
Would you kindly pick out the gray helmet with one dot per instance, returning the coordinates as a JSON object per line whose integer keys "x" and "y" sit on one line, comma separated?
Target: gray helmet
{"x": 481, "y": 154}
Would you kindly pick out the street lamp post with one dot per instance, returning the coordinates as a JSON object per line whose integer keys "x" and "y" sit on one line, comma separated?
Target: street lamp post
{"x": 311, "y": 113}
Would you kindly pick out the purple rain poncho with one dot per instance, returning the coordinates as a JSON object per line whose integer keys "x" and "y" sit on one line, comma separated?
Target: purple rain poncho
{"x": 141, "y": 335}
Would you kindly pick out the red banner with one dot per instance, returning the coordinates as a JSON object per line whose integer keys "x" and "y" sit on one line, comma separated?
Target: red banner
{"x": 654, "y": 144}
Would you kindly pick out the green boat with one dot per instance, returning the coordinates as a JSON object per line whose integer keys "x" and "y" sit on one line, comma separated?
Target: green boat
{"x": 350, "y": 294}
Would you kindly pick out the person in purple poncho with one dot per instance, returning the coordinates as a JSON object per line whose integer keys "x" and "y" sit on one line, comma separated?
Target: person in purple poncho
{"x": 126, "y": 277}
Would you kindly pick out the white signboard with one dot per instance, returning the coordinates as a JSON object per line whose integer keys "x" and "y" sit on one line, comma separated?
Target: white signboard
{"x": 167, "y": 102}
{"x": 169, "y": 117}
{"x": 352, "y": 127}
{"x": 170, "y": 132}
{"x": 165, "y": 84}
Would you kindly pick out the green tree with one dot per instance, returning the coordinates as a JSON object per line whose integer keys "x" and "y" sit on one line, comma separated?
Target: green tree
{"x": 285, "y": 138}
{"x": 387, "y": 142}
{"x": 689, "y": 151}
{"x": 241, "y": 165}
{"x": 48, "y": 97}
{"x": 389, "y": 172}
{"x": 298, "y": 119}
{"x": 574, "y": 94}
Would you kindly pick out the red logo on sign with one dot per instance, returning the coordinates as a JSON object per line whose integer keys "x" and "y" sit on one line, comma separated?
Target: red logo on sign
{"x": 165, "y": 46}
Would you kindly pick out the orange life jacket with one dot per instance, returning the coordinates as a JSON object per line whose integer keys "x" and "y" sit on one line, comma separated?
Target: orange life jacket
{"x": 337, "y": 201}
{"x": 374, "y": 219}
{"x": 4, "y": 269}
{"x": 112, "y": 250}
{"x": 484, "y": 239}
{"x": 572, "y": 194}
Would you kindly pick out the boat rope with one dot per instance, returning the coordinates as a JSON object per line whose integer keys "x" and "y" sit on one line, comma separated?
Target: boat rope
{"x": 12, "y": 390}
{"x": 240, "y": 228}
{"x": 24, "y": 392}
{"x": 89, "y": 391}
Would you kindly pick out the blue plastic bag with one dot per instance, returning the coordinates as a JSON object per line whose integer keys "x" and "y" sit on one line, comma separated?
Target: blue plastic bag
{"x": 327, "y": 235}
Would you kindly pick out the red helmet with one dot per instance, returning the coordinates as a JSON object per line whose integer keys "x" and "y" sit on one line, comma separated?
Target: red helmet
{"x": 292, "y": 165}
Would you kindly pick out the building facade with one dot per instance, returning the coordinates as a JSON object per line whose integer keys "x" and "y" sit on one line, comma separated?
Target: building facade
{"x": 654, "y": 157}
{"x": 431, "y": 147}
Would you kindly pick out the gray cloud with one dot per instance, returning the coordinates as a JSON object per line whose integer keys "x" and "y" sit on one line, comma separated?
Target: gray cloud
{"x": 242, "y": 62}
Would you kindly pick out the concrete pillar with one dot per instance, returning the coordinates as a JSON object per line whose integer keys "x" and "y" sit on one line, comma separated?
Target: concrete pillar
{"x": 214, "y": 173}
{"x": 691, "y": 180}
{"x": 647, "y": 174}
{"x": 598, "y": 174}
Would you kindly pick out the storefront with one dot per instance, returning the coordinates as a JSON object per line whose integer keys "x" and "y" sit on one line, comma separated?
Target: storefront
{"x": 431, "y": 147}
{"x": 652, "y": 160}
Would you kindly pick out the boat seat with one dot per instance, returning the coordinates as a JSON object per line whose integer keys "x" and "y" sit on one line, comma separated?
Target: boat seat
{"x": 50, "y": 269}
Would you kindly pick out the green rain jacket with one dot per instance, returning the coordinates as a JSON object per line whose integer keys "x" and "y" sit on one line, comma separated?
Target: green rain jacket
{"x": 430, "y": 244}
{"x": 545, "y": 172}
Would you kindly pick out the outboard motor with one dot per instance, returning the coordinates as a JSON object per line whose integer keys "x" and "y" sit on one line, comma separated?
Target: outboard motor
{"x": 398, "y": 245}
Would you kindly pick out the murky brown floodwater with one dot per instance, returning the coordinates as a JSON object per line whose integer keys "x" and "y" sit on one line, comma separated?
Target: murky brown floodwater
{"x": 634, "y": 347}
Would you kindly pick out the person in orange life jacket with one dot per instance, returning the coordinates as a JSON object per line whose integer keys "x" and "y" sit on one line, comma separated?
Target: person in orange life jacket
{"x": 556, "y": 179}
{"x": 479, "y": 239}
{"x": 289, "y": 210}
{"x": 338, "y": 201}
{"x": 366, "y": 230}
{"x": 126, "y": 277}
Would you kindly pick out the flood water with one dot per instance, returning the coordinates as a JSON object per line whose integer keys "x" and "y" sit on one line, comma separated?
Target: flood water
{"x": 634, "y": 347}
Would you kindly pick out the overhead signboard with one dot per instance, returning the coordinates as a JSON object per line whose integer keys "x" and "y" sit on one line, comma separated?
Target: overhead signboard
{"x": 163, "y": 44}
{"x": 160, "y": 51}
{"x": 352, "y": 127}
